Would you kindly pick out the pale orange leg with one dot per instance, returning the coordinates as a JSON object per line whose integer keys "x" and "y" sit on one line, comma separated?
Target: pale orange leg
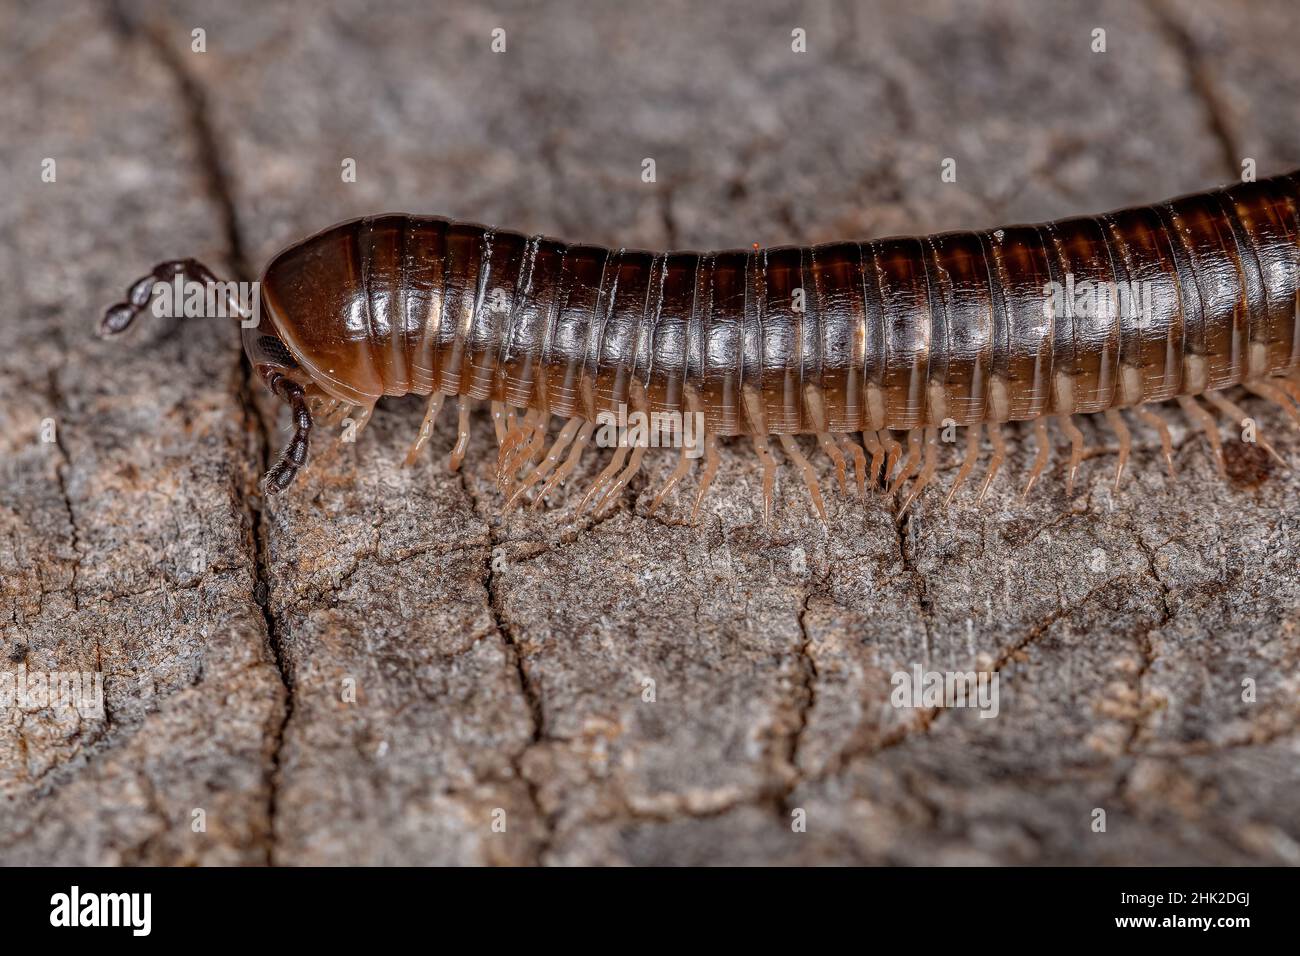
{"x": 859, "y": 463}
{"x": 537, "y": 448}
{"x": 968, "y": 461}
{"x": 999, "y": 456}
{"x": 1120, "y": 427}
{"x": 806, "y": 471}
{"x": 363, "y": 413}
{"x": 531, "y": 451}
{"x": 1166, "y": 442}
{"x": 1205, "y": 422}
{"x": 1237, "y": 415}
{"x": 927, "y": 473}
{"x": 516, "y": 432}
{"x": 910, "y": 464}
{"x": 833, "y": 452}
{"x": 462, "y": 433}
{"x": 769, "y": 474}
{"x": 334, "y": 416}
{"x": 330, "y": 412}
{"x": 877, "y": 450}
{"x": 711, "y": 462}
{"x": 606, "y": 476}
{"x": 1266, "y": 390}
{"x": 678, "y": 473}
{"x": 501, "y": 417}
{"x": 344, "y": 412}
{"x": 362, "y": 420}
{"x": 1040, "y": 460}
{"x": 575, "y": 455}
{"x": 893, "y": 451}
{"x": 1076, "y": 451}
{"x": 550, "y": 461}
{"x": 529, "y": 454}
{"x": 623, "y": 478}
{"x": 426, "y": 427}
{"x": 1289, "y": 385}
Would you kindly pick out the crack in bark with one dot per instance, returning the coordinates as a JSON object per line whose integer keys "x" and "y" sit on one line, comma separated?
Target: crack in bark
{"x": 531, "y": 694}
{"x": 1202, "y": 83}
{"x": 217, "y": 181}
{"x": 667, "y": 217}
{"x": 58, "y": 403}
{"x": 928, "y": 716}
{"x": 1148, "y": 661}
{"x": 1144, "y": 640}
{"x": 806, "y": 701}
{"x": 920, "y": 587}
{"x": 215, "y": 174}
{"x": 197, "y": 114}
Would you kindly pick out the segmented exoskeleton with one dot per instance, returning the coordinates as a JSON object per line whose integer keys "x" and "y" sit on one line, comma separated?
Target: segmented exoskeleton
{"x": 911, "y": 335}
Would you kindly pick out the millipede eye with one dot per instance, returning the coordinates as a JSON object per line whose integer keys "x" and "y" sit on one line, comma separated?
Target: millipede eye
{"x": 276, "y": 351}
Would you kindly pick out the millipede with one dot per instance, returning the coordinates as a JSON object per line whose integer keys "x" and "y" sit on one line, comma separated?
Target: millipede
{"x": 872, "y": 348}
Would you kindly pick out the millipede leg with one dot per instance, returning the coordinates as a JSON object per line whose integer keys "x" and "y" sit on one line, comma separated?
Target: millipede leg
{"x": 604, "y": 477}
{"x": 1237, "y": 415}
{"x": 1120, "y": 427}
{"x": 329, "y": 415}
{"x": 927, "y": 473}
{"x": 550, "y": 461}
{"x": 564, "y": 471}
{"x": 1076, "y": 451}
{"x": 967, "y": 462}
{"x": 516, "y": 432}
{"x": 999, "y": 456}
{"x": 326, "y": 411}
{"x": 359, "y": 423}
{"x": 531, "y": 452}
{"x": 633, "y": 466}
{"x": 893, "y": 451}
{"x": 536, "y": 447}
{"x": 501, "y": 415}
{"x": 426, "y": 426}
{"x": 1289, "y": 385}
{"x": 329, "y": 449}
{"x": 462, "y": 433}
{"x": 910, "y": 464}
{"x": 711, "y": 462}
{"x": 859, "y": 462}
{"x": 1166, "y": 442}
{"x": 806, "y": 472}
{"x": 872, "y": 441}
{"x": 678, "y": 473}
{"x": 817, "y": 413}
{"x": 833, "y": 452}
{"x": 1205, "y": 422}
{"x": 294, "y": 455}
{"x": 1040, "y": 460}
{"x": 1265, "y": 390}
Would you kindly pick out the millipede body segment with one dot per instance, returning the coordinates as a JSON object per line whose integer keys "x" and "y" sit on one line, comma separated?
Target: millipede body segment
{"x": 1178, "y": 300}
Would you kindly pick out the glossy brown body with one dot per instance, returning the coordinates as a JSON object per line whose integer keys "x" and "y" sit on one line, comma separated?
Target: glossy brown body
{"x": 895, "y": 333}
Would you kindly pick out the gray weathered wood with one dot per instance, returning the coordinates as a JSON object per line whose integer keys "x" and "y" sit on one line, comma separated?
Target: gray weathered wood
{"x": 499, "y": 664}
